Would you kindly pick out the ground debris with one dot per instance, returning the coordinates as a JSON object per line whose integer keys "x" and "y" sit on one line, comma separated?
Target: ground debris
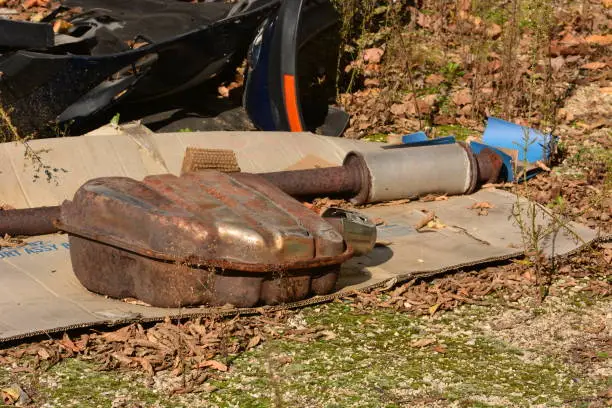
{"x": 511, "y": 281}
{"x": 176, "y": 348}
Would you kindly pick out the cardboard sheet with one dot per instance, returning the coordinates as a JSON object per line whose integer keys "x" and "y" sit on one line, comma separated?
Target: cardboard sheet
{"x": 136, "y": 153}
{"x": 40, "y": 294}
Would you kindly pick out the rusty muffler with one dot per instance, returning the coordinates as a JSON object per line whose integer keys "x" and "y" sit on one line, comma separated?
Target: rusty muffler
{"x": 199, "y": 239}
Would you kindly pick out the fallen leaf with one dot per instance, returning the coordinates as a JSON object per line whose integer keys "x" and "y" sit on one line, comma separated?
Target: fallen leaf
{"x": 428, "y": 216}
{"x": 422, "y": 342}
{"x": 607, "y": 90}
{"x": 68, "y": 344}
{"x": 122, "y": 358}
{"x": 371, "y": 82}
{"x": 433, "y": 309}
{"x": 594, "y": 65}
{"x": 480, "y": 205}
{"x": 9, "y": 396}
{"x": 223, "y": 91}
{"x": 495, "y": 66}
{"x": 253, "y": 342}
{"x": 435, "y": 224}
{"x": 61, "y": 26}
{"x": 213, "y": 364}
{"x": 557, "y": 63}
{"x": 465, "y": 5}
{"x": 602, "y": 40}
{"x": 145, "y": 364}
{"x": 119, "y": 336}
{"x": 462, "y": 97}
{"x": 10, "y": 242}
{"x": 283, "y": 360}
{"x": 326, "y": 335}
{"x": 493, "y": 31}
{"x": 43, "y": 353}
{"x": 398, "y": 109}
{"x": 34, "y": 3}
{"x": 427, "y": 102}
{"x": 439, "y": 349}
{"x": 434, "y": 79}
{"x": 373, "y": 55}
{"x": 423, "y": 20}
{"x": 543, "y": 166}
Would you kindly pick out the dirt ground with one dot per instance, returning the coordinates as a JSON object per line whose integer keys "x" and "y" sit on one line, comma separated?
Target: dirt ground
{"x": 526, "y": 333}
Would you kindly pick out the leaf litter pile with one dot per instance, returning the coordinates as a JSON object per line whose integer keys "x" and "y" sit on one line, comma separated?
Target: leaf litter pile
{"x": 509, "y": 283}
{"x": 189, "y": 352}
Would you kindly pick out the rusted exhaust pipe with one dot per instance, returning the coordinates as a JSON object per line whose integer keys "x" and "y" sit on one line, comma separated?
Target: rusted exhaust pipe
{"x": 340, "y": 181}
{"x": 363, "y": 178}
{"x": 29, "y": 221}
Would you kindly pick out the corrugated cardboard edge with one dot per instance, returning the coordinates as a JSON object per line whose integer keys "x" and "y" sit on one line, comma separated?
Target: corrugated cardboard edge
{"x": 225, "y": 312}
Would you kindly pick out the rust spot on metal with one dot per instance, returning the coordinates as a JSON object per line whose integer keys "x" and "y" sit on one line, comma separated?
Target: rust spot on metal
{"x": 329, "y": 181}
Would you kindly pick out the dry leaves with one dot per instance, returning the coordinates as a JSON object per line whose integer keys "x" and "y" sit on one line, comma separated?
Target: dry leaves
{"x": 10, "y": 242}
{"x": 603, "y": 40}
{"x": 186, "y": 349}
{"x": 213, "y": 364}
{"x": 462, "y": 97}
{"x": 422, "y": 342}
{"x": 594, "y": 65}
{"x": 428, "y": 216}
{"x": 34, "y": 3}
{"x": 482, "y": 207}
{"x": 373, "y": 55}
{"x": 61, "y": 26}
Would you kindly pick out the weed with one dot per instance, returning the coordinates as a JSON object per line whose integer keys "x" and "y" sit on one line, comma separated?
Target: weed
{"x": 10, "y": 133}
{"x": 510, "y": 42}
{"x": 452, "y": 71}
{"x": 114, "y": 122}
{"x": 540, "y": 227}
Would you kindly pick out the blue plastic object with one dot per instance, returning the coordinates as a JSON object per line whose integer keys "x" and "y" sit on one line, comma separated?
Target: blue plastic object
{"x": 500, "y": 133}
{"x": 420, "y": 139}
{"x": 414, "y": 138}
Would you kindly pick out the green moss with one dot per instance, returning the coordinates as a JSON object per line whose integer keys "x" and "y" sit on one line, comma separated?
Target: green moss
{"x": 375, "y": 358}
{"x": 460, "y": 132}
{"x": 376, "y": 137}
{"x": 76, "y": 383}
{"x": 372, "y": 362}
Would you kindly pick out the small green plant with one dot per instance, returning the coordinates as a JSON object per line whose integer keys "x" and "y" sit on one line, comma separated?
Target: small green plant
{"x": 10, "y": 133}
{"x": 185, "y": 130}
{"x": 452, "y": 71}
{"x": 115, "y": 120}
{"x": 539, "y": 226}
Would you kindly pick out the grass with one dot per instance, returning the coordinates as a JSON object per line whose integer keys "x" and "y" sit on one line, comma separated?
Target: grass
{"x": 373, "y": 363}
